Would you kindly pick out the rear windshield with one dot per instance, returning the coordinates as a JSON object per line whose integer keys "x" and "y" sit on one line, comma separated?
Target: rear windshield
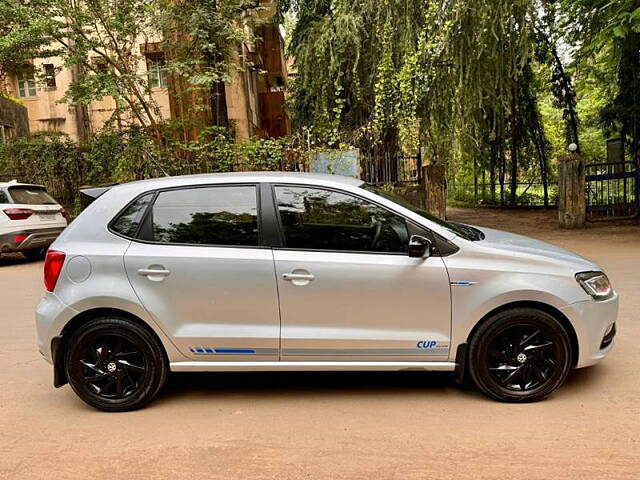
{"x": 31, "y": 196}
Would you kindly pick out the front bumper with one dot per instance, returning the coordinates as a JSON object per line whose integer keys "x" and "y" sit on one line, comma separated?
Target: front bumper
{"x": 28, "y": 239}
{"x": 594, "y": 323}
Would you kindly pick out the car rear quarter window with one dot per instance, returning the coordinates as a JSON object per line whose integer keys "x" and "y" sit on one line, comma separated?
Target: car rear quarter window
{"x": 221, "y": 215}
{"x": 31, "y": 196}
{"x": 128, "y": 222}
{"x": 319, "y": 219}
{"x": 3, "y": 197}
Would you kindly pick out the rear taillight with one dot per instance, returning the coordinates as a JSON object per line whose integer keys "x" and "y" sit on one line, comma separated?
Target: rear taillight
{"x": 64, "y": 214}
{"x": 20, "y": 238}
{"x": 52, "y": 268}
{"x": 18, "y": 213}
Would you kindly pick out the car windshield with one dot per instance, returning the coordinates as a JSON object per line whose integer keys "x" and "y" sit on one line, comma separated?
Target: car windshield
{"x": 464, "y": 231}
{"x": 31, "y": 196}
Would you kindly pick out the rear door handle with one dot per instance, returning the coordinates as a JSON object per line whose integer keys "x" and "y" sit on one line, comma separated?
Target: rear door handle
{"x": 300, "y": 277}
{"x": 155, "y": 274}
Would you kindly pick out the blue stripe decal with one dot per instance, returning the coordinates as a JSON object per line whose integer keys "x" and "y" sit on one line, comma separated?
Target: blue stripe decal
{"x": 211, "y": 351}
{"x": 234, "y": 350}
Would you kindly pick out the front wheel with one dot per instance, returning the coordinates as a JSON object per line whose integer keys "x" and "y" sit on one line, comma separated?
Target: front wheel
{"x": 114, "y": 364}
{"x": 520, "y": 355}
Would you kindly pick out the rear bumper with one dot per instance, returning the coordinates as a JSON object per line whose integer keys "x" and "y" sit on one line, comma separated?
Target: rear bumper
{"x": 51, "y": 316}
{"x": 28, "y": 239}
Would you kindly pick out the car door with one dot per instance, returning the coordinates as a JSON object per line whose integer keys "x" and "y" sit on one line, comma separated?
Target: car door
{"x": 200, "y": 270}
{"x": 348, "y": 289}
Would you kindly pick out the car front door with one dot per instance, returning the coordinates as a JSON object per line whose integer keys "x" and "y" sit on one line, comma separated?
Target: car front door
{"x": 200, "y": 270}
{"x": 348, "y": 289}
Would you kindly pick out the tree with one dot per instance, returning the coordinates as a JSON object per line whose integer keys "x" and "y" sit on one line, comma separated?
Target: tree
{"x": 609, "y": 37}
{"x": 439, "y": 77}
{"x": 105, "y": 42}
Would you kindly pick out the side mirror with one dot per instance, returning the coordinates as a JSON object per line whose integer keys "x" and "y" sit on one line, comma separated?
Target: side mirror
{"x": 419, "y": 247}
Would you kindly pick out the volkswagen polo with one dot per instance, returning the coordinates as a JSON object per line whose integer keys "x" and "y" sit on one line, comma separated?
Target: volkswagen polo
{"x": 286, "y": 271}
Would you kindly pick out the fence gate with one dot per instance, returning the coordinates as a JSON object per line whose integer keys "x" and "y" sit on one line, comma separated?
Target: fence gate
{"x": 613, "y": 191}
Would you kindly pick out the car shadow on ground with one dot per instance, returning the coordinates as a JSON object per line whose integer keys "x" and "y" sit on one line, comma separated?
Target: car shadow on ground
{"x": 285, "y": 384}
{"x": 10, "y": 260}
{"x": 332, "y": 384}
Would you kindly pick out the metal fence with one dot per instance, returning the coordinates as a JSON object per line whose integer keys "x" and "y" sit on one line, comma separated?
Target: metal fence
{"x": 527, "y": 194}
{"x": 390, "y": 169}
{"x": 612, "y": 190}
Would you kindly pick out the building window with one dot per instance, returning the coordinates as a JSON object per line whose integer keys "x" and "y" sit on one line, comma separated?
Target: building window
{"x": 157, "y": 72}
{"x": 49, "y": 75}
{"x": 26, "y": 85}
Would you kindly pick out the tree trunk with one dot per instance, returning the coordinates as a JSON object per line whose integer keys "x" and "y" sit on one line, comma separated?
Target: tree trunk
{"x": 514, "y": 145}
{"x": 492, "y": 171}
{"x": 435, "y": 190}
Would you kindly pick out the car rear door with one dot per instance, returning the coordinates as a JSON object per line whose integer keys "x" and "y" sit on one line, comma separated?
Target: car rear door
{"x": 348, "y": 289}
{"x": 201, "y": 269}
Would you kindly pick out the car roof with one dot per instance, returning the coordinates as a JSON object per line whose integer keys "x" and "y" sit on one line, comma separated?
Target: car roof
{"x": 240, "y": 177}
{"x": 15, "y": 183}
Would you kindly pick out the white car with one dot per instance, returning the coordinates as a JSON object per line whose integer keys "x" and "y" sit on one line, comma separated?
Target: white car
{"x": 30, "y": 219}
{"x": 284, "y": 271}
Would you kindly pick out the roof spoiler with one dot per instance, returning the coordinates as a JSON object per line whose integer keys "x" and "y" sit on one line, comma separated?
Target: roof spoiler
{"x": 95, "y": 192}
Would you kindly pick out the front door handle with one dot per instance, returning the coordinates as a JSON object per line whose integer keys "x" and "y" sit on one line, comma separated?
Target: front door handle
{"x": 298, "y": 276}
{"x": 155, "y": 274}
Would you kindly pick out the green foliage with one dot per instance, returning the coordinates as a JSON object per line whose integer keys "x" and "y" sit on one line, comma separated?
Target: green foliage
{"x": 116, "y": 156}
{"x": 51, "y": 159}
{"x": 101, "y": 41}
{"x": 608, "y": 36}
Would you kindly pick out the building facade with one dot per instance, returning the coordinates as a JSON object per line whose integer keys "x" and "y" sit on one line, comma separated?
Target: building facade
{"x": 252, "y": 104}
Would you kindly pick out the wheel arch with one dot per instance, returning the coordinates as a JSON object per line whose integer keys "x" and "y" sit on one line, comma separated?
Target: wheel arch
{"x": 461, "y": 352}
{"x": 59, "y": 343}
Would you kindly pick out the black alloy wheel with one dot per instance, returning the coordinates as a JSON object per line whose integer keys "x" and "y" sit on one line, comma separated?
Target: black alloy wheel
{"x": 113, "y": 367}
{"x": 520, "y": 355}
{"x": 114, "y": 364}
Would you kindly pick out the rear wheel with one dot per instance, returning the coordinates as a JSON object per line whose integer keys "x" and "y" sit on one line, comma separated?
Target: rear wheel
{"x": 114, "y": 364}
{"x": 520, "y": 355}
{"x": 35, "y": 253}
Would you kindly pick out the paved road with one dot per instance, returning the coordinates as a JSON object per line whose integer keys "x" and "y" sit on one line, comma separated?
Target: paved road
{"x": 330, "y": 425}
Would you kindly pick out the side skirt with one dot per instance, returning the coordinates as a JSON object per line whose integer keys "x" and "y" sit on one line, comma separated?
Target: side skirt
{"x": 308, "y": 366}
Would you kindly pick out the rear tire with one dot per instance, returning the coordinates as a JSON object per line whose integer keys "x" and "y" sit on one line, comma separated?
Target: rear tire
{"x": 520, "y": 355}
{"x": 35, "y": 253}
{"x": 115, "y": 365}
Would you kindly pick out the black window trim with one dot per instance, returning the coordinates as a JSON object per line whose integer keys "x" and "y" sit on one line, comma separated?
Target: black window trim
{"x": 408, "y": 222}
{"x": 146, "y": 217}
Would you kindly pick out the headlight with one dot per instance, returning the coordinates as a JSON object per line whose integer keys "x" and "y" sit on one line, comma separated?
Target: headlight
{"x": 595, "y": 284}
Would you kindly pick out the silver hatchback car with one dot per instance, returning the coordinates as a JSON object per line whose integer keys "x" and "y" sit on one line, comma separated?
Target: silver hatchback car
{"x": 284, "y": 271}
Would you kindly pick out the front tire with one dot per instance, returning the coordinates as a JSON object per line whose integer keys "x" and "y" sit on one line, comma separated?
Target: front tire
{"x": 520, "y": 355}
{"x": 115, "y": 365}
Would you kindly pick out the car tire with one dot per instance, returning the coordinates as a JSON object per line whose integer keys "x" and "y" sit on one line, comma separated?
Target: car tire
{"x": 35, "y": 253}
{"x": 115, "y": 365}
{"x": 520, "y": 355}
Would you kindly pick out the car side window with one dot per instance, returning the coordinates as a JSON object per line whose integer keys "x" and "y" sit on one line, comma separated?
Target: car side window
{"x": 319, "y": 219}
{"x": 3, "y": 197}
{"x": 127, "y": 222}
{"x": 221, "y": 215}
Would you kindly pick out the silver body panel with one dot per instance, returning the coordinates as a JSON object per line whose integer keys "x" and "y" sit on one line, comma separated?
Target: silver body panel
{"x": 228, "y": 309}
{"x": 368, "y": 306}
{"x": 214, "y": 298}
